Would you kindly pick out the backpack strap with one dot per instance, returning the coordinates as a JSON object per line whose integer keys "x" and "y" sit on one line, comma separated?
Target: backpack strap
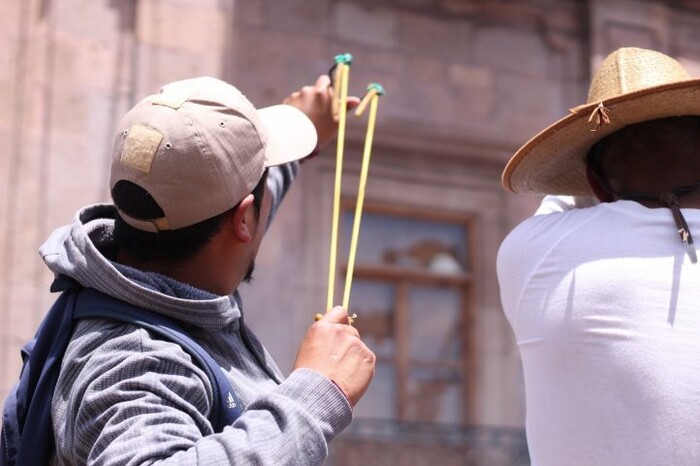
{"x": 27, "y": 435}
{"x": 227, "y": 406}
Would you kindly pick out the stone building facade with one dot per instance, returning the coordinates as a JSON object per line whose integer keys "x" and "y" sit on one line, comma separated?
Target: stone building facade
{"x": 468, "y": 81}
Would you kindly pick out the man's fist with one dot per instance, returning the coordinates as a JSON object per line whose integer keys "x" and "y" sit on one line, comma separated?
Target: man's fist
{"x": 316, "y": 102}
{"x": 334, "y": 348}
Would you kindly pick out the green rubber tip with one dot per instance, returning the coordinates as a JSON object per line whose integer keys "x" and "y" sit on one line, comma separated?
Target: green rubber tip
{"x": 376, "y": 87}
{"x": 344, "y": 58}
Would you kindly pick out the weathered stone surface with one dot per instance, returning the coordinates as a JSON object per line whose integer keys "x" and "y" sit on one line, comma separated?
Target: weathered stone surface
{"x": 375, "y": 26}
{"x": 97, "y": 20}
{"x": 511, "y": 51}
{"x": 248, "y": 12}
{"x": 186, "y": 28}
{"x": 450, "y": 40}
{"x": 298, "y": 16}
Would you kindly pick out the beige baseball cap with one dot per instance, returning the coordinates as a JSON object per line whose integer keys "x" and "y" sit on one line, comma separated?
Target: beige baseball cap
{"x": 199, "y": 147}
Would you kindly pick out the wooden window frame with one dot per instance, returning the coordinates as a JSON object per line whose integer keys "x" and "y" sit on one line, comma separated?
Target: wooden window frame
{"x": 404, "y": 278}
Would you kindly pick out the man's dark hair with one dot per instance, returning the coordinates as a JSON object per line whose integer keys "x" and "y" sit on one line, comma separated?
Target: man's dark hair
{"x": 594, "y": 161}
{"x": 634, "y": 149}
{"x": 171, "y": 246}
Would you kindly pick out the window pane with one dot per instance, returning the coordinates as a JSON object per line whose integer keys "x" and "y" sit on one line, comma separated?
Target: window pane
{"x": 434, "y": 333}
{"x": 439, "y": 247}
{"x": 374, "y": 303}
{"x": 379, "y": 401}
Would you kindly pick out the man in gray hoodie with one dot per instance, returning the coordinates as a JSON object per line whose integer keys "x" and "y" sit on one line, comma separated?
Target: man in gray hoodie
{"x": 197, "y": 172}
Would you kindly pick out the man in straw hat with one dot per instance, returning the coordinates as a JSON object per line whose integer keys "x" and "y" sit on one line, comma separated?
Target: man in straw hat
{"x": 601, "y": 286}
{"x": 196, "y": 174}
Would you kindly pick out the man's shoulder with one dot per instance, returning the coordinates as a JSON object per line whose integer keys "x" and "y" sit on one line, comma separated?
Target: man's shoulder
{"x": 548, "y": 217}
{"x": 538, "y": 235}
{"x": 102, "y": 344}
{"x": 543, "y": 225}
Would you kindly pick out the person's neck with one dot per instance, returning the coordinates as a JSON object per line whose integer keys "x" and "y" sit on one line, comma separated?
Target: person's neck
{"x": 682, "y": 201}
{"x": 688, "y": 199}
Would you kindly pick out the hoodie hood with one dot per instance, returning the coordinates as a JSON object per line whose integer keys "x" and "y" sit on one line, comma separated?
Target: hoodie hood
{"x": 81, "y": 250}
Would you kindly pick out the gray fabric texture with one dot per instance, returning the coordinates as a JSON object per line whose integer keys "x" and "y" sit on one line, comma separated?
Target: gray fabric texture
{"x": 125, "y": 397}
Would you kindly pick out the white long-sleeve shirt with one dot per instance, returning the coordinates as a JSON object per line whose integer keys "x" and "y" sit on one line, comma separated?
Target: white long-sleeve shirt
{"x": 605, "y": 306}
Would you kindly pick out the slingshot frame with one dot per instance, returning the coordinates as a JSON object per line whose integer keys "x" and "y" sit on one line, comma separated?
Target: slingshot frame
{"x": 340, "y": 78}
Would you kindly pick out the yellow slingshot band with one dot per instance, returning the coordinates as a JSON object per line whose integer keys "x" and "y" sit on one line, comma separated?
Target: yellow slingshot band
{"x": 374, "y": 91}
{"x": 342, "y": 74}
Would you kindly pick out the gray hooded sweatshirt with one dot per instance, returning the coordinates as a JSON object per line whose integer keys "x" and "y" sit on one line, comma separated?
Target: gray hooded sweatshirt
{"x": 126, "y": 397}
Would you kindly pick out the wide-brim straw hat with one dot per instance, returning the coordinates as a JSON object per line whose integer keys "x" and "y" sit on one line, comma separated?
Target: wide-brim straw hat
{"x": 631, "y": 85}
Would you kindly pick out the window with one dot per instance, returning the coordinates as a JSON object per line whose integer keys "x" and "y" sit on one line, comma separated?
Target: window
{"x": 412, "y": 292}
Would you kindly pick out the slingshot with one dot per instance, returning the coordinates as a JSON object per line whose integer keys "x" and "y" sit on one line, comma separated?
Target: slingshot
{"x": 340, "y": 75}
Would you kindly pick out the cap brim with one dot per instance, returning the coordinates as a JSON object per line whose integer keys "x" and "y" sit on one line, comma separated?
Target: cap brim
{"x": 290, "y": 134}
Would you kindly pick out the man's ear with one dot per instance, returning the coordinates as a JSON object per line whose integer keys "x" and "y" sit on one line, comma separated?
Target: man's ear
{"x": 243, "y": 219}
{"x": 599, "y": 188}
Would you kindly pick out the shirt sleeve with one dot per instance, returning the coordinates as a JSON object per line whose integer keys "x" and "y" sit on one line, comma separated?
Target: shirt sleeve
{"x": 524, "y": 249}
{"x": 136, "y": 400}
{"x": 279, "y": 180}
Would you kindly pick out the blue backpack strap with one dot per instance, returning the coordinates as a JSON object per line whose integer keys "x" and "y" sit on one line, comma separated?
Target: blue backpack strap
{"x": 227, "y": 407}
{"x": 27, "y": 435}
